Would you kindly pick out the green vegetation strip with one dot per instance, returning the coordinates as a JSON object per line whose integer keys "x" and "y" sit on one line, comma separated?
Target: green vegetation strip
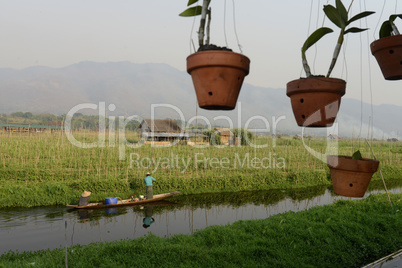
{"x": 346, "y": 234}
{"x": 39, "y": 169}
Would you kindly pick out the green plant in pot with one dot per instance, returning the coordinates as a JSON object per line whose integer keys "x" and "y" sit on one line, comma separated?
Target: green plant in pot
{"x": 217, "y": 73}
{"x": 351, "y": 175}
{"x": 316, "y": 100}
{"x": 388, "y": 49}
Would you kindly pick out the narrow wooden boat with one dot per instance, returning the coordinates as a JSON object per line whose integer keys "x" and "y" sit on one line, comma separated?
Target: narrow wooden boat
{"x": 126, "y": 202}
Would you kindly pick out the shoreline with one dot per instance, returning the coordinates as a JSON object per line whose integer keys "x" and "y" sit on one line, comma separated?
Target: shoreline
{"x": 350, "y": 233}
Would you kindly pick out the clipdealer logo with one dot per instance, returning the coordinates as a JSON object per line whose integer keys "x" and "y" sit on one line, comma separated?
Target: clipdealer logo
{"x": 116, "y": 133}
{"x": 121, "y": 122}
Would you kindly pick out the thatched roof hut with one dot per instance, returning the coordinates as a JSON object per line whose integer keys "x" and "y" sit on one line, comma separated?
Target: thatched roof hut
{"x": 161, "y": 129}
{"x": 227, "y": 136}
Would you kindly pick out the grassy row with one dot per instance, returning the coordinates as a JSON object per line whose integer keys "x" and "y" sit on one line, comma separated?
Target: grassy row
{"x": 47, "y": 169}
{"x": 54, "y": 193}
{"x": 346, "y": 234}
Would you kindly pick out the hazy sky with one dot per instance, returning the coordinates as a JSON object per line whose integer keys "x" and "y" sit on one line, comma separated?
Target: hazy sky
{"x": 58, "y": 33}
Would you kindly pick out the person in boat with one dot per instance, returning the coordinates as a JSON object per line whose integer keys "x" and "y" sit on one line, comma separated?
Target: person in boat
{"x": 148, "y": 220}
{"x": 148, "y": 182}
{"x": 83, "y": 201}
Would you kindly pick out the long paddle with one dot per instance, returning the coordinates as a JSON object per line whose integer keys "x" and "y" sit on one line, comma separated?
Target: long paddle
{"x": 136, "y": 192}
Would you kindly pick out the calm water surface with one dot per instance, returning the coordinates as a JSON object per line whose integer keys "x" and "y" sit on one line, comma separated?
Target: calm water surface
{"x": 54, "y": 227}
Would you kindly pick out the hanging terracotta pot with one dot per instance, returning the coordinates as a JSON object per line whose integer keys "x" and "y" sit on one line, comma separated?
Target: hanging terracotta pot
{"x": 217, "y": 77}
{"x": 351, "y": 177}
{"x": 388, "y": 52}
{"x": 316, "y": 100}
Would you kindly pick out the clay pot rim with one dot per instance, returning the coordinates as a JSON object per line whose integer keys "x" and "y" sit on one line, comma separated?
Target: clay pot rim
{"x": 386, "y": 42}
{"x": 340, "y": 89}
{"x": 366, "y": 165}
{"x": 215, "y": 52}
{"x": 243, "y": 64}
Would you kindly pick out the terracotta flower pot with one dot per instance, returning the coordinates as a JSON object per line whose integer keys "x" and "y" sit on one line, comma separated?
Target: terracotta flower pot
{"x": 388, "y": 52}
{"x": 217, "y": 77}
{"x": 351, "y": 177}
{"x": 315, "y": 100}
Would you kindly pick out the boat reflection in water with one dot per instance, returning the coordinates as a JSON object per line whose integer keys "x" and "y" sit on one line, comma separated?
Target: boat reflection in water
{"x": 94, "y": 215}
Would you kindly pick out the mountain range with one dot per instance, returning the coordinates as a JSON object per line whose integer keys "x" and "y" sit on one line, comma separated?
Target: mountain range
{"x": 134, "y": 89}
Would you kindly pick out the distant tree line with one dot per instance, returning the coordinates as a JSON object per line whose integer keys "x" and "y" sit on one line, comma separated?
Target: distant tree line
{"x": 29, "y": 118}
{"x": 79, "y": 121}
{"x": 91, "y": 122}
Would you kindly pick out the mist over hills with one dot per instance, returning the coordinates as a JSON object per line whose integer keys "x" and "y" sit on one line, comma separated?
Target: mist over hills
{"x": 135, "y": 88}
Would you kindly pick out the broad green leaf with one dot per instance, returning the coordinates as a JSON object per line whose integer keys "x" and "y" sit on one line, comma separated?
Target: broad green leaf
{"x": 334, "y": 16}
{"x": 393, "y": 17}
{"x": 192, "y": 11}
{"x": 343, "y": 13}
{"x": 354, "y": 30}
{"x": 190, "y": 2}
{"x": 357, "y": 155}
{"x": 314, "y": 37}
{"x": 360, "y": 16}
{"x": 386, "y": 29}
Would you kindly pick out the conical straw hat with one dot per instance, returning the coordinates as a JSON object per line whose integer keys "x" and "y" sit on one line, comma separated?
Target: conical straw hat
{"x": 86, "y": 194}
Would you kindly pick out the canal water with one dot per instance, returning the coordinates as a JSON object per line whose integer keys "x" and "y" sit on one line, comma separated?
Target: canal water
{"x": 30, "y": 229}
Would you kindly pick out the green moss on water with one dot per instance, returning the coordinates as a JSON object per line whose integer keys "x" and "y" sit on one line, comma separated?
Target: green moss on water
{"x": 345, "y": 234}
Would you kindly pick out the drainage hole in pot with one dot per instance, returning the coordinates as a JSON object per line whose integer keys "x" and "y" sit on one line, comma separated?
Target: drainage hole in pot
{"x": 301, "y": 100}
{"x": 303, "y": 116}
{"x": 351, "y": 185}
{"x": 401, "y": 62}
{"x": 210, "y": 93}
{"x": 391, "y": 51}
{"x": 238, "y": 78}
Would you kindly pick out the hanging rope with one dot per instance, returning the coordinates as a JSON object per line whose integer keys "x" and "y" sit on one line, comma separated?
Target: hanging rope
{"x": 323, "y": 18}
{"x": 224, "y": 23}
{"x": 235, "y": 28}
{"x": 309, "y": 21}
{"x": 316, "y": 26}
{"x": 191, "y": 34}
{"x": 369, "y": 80}
{"x": 308, "y": 33}
{"x": 379, "y": 168}
{"x": 379, "y": 18}
{"x": 361, "y": 81}
{"x": 344, "y": 65}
